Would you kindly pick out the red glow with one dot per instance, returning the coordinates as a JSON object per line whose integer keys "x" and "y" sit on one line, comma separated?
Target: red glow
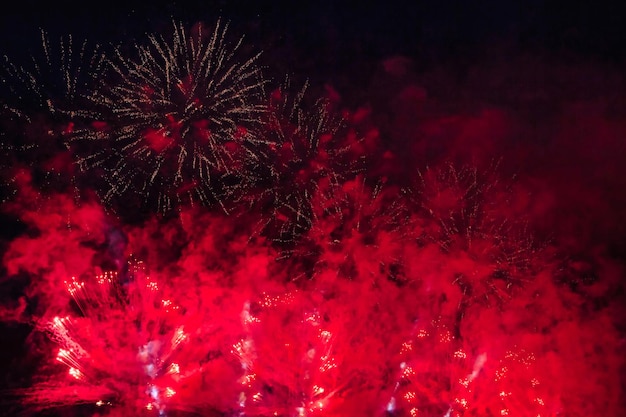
{"x": 393, "y": 262}
{"x": 158, "y": 140}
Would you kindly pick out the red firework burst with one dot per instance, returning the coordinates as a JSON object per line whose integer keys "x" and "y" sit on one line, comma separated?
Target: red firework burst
{"x": 470, "y": 213}
{"x": 307, "y": 147}
{"x": 128, "y": 346}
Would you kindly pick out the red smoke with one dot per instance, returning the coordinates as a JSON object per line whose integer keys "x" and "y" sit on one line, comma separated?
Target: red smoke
{"x": 470, "y": 268}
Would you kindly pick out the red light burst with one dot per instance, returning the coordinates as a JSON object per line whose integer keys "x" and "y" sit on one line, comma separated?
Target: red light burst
{"x": 126, "y": 344}
{"x": 306, "y": 147}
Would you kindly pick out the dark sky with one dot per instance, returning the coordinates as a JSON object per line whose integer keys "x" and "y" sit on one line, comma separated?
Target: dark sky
{"x": 374, "y": 28}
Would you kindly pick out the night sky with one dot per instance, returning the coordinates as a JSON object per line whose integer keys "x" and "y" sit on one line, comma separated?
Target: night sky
{"x": 369, "y": 30}
{"x": 342, "y": 42}
{"x": 535, "y": 88}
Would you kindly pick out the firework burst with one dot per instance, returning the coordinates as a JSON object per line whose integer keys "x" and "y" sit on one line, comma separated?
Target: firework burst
{"x": 126, "y": 345}
{"x": 55, "y": 79}
{"x": 42, "y": 100}
{"x": 466, "y": 212}
{"x": 308, "y": 148}
{"x": 178, "y": 119}
{"x": 297, "y": 374}
{"x": 357, "y": 231}
{"x": 458, "y": 377}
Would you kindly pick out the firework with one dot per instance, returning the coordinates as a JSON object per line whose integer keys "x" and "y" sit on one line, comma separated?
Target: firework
{"x": 442, "y": 374}
{"x": 465, "y": 211}
{"x": 360, "y": 298}
{"x": 134, "y": 344}
{"x": 55, "y": 79}
{"x": 308, "y": 147}
{"x": 177, "y": 119}
{"x": 43, "y": 100}
{"x": 357, "y": 231}
{"x": 421, "y": 383}
{"x": 125, "y": 344}
{"x": 292, "y": 373}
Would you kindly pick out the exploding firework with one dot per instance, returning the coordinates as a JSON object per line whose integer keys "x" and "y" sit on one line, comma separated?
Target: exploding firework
{"x": 420, "y": 385}
{"x": 127, "y": 346}
{"x": 357, "y": 232}
{"x": 466, "y": 212}
{"x": 55, "y": 79}
{"x": 292, "y": 375}
{"x": 178, "y": 119}
{"x": 430, "y": 300}
{"x": 439, "y": 374}
{"x": 309, "y": 148}
{"x": 43, "y": 98}
{"x": 331, "y": 347}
